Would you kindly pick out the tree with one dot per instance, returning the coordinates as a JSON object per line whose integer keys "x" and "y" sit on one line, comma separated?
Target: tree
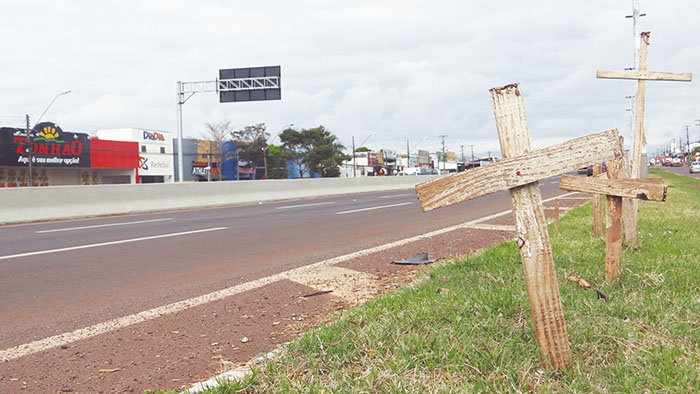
{"x": 314, "y": 150}
{"x": 217, "y": 133}
{"x": 294, "y": 147}
{"x": 363, "y": 149}
{"x": 276, "y": 162}
{"x": 251, "y": 144}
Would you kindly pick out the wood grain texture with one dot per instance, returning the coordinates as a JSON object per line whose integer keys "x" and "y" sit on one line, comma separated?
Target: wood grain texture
{"x": 597, "y": 204}
{"x": 641, "y": 75}
{"x": 613, "y": 230}
{"x": 531, "y": 226}
{"x": 643, "y": 189}
{"x": 613, "y": 239}
{"x": 519, "y": 169}
{"x": 653, "y": 76}
{"x": 629, "y": 208}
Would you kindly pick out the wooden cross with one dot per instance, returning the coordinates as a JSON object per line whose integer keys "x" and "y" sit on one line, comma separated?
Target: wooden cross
{"x": 641, "y": 75}
{"x": 519, "y": 171}
{"x": 614, "y": 187}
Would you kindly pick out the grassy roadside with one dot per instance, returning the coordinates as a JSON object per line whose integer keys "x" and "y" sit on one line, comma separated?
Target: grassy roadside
{"x": 466, "y": 327}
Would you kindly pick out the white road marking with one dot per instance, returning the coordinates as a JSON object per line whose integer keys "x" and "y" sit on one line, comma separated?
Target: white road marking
{"x": 97, "y": 245}
{"x": 305, "y": 205}
{"x": 397, "y": 195}
{"x": 121, "y": 322}
{"x": 101, "y": 225}
{"x": 495, "y": 227}
{"x": 373, "y": 208}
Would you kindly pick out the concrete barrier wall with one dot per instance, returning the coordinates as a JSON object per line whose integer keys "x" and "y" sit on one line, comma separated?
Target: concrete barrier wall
{"x": 62, "y": 202}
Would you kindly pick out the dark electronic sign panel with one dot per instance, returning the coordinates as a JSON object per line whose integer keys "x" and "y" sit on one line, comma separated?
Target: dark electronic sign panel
{"x": 257, "y": 90}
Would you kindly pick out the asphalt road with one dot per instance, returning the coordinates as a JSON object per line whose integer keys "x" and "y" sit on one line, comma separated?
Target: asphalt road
{"x": 680, "y": 171}
{"x": 60, "y": 276}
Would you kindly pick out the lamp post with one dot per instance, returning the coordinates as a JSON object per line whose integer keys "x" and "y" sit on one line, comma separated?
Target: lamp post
{"x": 414, "y": 148}
{"x": 354, "y": 165}
{"x": 30, "y": 142}
{"x": 50, "y": 104}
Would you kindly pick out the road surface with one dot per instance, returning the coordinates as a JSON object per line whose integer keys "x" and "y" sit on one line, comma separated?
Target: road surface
{"x": 72, "y": 276}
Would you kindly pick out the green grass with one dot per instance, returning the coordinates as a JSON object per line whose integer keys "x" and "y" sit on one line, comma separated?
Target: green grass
{"x": 467, "y": 328}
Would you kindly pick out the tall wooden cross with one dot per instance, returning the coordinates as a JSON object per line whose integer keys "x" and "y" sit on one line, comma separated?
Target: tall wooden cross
{"x": 641, "y": 75}
{"x": 614, "y": 187}
{"x": 519, "y": 171}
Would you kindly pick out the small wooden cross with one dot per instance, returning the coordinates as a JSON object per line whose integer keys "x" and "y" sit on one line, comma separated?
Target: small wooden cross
{"x": 615, "y": 187}
{"x": 519, "y": 172}
{"x": 641, "y": 75}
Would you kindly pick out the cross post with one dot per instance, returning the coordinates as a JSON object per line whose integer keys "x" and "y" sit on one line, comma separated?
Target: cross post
{"x": 597, "y": 205}
{"x": 615, "y": 187}
{"x": 531, "y": 225}
{"x": 519, "y": 172}
{"x": 641, "y": 75}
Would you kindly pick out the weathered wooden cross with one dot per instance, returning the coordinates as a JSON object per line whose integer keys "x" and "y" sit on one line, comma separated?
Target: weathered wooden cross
{"x": 614, "y": 187}
{"x": 641, "y": 75}
{"x": 519, "y": 171}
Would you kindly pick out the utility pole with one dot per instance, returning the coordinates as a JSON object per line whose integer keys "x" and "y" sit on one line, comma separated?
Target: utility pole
{"x": 408, "y": 155}
{"x": 29, "y": 147}
{"x": 444, "y": 158}
{"x": 472, "y": 146}
{"x": 636, "y": 31}
{"x": 208, "y": 163}
{"x": 643, "y": 171}
{"x": 354, "y": 166}
{"x": 462, "y": 153}
{"x": 687, "y": 143}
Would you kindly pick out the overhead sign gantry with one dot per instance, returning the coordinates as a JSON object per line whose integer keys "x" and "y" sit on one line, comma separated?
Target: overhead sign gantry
{"x": 233, "y": 85}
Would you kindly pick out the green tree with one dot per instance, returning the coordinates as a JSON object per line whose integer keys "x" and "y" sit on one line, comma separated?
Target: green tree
{"x": 251, "y": 143}
{"x": 276, "y": 162}
{"x": 363, "y": 149}
{"x": 294, "y": 148}
{"x": 317, "y": 149}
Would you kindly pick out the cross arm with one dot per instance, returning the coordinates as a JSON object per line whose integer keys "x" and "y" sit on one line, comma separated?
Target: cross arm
{"x": 645, "y": 75}
{"x": 519, "y": 170}
{"x": 643, "y": 189}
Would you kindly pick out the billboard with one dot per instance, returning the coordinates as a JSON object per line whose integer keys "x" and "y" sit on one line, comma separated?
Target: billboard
{"x": 51, "y": 147}
{"x": 250, "y": 84}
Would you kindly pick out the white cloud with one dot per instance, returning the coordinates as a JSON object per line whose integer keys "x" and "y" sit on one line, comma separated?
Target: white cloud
{"x": 405, "y": 69}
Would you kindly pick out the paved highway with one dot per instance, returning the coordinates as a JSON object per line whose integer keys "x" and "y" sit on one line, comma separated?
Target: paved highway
{"x": 62, "y": 280}
{"x": 680, "y": 171}
{"x": 59, "y": 276}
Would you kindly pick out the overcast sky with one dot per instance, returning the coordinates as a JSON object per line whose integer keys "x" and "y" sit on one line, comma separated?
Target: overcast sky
{"x": 402, "y": 69}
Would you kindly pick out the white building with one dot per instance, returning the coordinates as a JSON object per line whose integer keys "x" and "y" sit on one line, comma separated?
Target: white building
{"x": 156, "y": 164}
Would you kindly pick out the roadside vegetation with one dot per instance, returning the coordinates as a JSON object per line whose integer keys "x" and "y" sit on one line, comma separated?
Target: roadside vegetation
{"x": 466, "y": 326}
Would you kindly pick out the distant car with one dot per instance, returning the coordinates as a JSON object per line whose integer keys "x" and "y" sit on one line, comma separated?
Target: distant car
{"x": 589, "y": 169}
{"x": 694, "y": 167}
{"x": 676, "y": 162}
{"x": 428, "y": 171}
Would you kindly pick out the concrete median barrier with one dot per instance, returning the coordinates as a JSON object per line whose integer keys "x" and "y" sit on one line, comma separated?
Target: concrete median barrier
{"x": 64, "y": 202}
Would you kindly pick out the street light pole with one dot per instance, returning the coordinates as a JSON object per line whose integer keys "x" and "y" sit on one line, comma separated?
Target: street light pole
{"x": 30, "y": 142}
{"x": 50, "y": 104}
{"x": 354, "y": 171}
